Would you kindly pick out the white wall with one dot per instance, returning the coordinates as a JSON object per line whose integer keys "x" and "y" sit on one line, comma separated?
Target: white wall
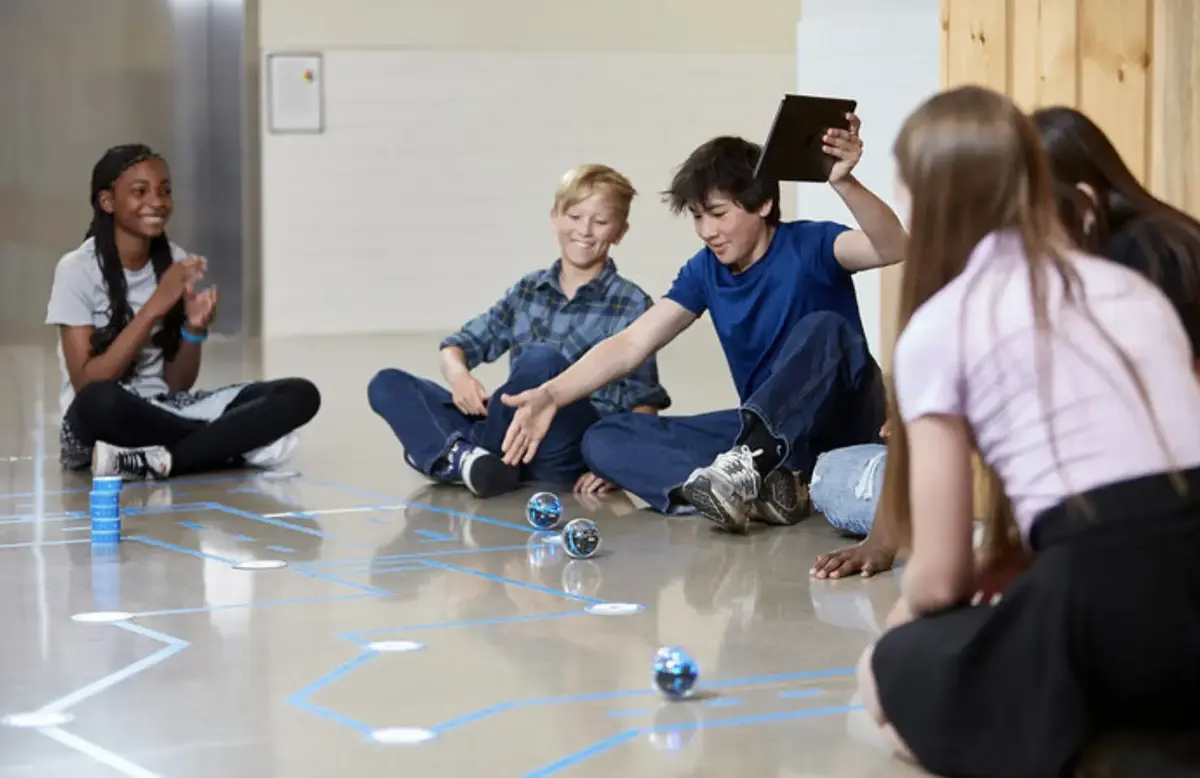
{"x": 450, "y": 123}
{"x": 886, "y": 55}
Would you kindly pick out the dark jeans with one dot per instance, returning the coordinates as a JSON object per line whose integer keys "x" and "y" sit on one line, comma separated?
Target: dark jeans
{"x": 261, "y": 414}
{"x": 424, "y": 418}
{"x": 824, "y": 392}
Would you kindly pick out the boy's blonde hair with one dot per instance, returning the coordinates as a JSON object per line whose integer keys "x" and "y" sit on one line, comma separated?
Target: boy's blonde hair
{"x": 582, "y": 182}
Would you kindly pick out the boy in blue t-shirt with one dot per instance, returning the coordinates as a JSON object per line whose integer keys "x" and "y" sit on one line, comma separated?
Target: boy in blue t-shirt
{"x": 783, "y": 304}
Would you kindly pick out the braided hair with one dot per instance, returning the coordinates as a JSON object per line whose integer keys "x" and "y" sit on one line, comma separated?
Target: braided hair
{"x": 111, "y": 166}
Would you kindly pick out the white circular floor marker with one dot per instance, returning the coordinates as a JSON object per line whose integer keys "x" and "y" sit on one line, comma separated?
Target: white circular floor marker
{"x": 395, "y": 646}
{"x": 402, "y": 736}
{"x": 261, "y": 564}
{"x": 613, "y": 608}
{"x": 279, "y": 475}
{"x": 102, "y": 617}
{"x": 36, "y": 720}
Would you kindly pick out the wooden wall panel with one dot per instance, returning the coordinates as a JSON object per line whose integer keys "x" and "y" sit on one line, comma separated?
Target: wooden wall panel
{"x": 1045, "y": 58}
{"x": 1175, "y": 104}
{"x": 1114, "y": 74}
{"x": 975, "y": 39}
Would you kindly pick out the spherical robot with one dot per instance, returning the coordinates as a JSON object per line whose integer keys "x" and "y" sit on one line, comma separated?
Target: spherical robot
{"x": 675, "y": 672}
{"x": 581, "y": 538}
{"x": 544, "y": 510}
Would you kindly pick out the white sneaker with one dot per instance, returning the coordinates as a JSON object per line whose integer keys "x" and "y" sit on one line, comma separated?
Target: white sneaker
{"x": 130, "y": 463}
{"x": 726, "y": 490}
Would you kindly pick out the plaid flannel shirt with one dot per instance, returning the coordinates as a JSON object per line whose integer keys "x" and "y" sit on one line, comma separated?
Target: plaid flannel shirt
{"x": 536, "y": 310}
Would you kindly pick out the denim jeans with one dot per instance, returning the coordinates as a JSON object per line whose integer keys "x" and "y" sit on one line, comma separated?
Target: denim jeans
{"x": 846, "y": 484}
{"x": 824, "y": 392}
{"x": 422, "y": 415}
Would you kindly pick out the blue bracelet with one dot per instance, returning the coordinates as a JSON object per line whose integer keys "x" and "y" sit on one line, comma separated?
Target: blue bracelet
{"x": 190, "y": 338}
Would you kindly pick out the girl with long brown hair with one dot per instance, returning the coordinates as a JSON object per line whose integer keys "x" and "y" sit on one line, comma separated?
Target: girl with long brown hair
{"x": 1071, "y": 375}
{"x": 1107, "y": 212}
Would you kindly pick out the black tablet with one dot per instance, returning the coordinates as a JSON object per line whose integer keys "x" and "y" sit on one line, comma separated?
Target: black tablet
{"x": 793, "y": 148}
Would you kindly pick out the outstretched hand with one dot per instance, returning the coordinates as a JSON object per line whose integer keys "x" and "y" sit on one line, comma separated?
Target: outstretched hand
{"x": 535, "y": 411}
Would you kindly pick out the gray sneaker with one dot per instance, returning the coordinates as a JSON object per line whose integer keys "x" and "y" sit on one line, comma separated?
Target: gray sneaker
{"x": 783, "y": 499}
{"x": 130, "y": 463}
{"x": 726, "y": 490}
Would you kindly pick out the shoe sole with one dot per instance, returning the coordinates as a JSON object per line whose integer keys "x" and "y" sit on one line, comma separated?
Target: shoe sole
{"x": 770, "y": 513}
{"x": 488, "y": 476}
{"x": 699, "y": 494}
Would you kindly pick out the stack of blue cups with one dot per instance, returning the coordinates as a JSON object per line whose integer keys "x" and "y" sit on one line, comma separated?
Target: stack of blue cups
{"x": 106, "y": 511}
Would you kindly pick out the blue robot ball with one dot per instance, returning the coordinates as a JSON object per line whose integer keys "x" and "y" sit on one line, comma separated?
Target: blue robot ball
{"x": 581, "y": 538}
{"x": 544, "y": 510}
{"x": 675, "y": 672}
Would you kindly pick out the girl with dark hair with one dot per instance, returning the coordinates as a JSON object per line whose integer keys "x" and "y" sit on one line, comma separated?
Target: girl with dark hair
{"x": 1111, "y": 214}
{"x": 131, "y": 325}
{"x": 1018, "y": 345}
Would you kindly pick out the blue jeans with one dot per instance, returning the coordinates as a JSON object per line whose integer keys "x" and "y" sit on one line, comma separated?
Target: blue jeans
{"x": 846, "y": 484}
{"x": 824, "y": 392}
{"x": 422, "y": 415}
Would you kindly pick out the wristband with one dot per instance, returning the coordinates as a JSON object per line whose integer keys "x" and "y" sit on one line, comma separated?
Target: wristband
{"x": 192, "y": 338}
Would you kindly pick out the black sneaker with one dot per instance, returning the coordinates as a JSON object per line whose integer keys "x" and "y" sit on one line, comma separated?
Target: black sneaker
{"x": 110, "y": 461}
{"x": 481, "y": 471}
{"x": 783, "y": 499}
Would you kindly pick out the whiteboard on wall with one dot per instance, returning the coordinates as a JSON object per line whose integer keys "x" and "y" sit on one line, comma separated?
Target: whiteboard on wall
{"x": 295, "y": 93}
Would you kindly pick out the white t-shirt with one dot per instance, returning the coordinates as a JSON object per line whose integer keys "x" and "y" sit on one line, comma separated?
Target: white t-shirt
{"x": 79, "y": 298}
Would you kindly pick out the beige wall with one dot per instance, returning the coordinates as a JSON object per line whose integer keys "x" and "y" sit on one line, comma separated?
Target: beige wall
{"x": 449, "y": 125}
{"x": 660, "y": 26}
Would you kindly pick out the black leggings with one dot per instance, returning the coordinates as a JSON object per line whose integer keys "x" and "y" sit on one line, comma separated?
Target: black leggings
{"x": 261, "y": 414}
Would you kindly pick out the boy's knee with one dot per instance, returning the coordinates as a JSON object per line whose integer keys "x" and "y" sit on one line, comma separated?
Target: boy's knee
{"x": 384, "y": 386}
{"x": 605, "y": 444}
{"x": 538, "y": 363}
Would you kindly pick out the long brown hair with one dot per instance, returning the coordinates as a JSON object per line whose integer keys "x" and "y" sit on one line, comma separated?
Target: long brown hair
{"x": 1080, "y": 153}
{"x": 974, "y": 164}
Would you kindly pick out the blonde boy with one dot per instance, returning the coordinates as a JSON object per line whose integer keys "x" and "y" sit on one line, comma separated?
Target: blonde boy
{"x": 546, "y": 321}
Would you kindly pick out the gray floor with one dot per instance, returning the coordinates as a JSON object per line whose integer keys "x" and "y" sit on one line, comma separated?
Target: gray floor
{"x": 269, "y": 673}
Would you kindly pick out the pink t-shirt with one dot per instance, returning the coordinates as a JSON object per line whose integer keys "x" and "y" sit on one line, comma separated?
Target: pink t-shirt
{"x": 971, "y": 351}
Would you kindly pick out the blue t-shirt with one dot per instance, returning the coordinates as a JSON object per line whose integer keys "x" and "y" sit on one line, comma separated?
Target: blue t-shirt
{"x": 754, "y": 311}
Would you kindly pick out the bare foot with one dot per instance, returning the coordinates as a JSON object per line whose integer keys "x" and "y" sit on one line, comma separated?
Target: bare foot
{"x": 867, "y": 559}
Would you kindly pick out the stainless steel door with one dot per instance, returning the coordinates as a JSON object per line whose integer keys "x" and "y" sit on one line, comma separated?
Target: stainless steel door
{"x": 83, "y": 76}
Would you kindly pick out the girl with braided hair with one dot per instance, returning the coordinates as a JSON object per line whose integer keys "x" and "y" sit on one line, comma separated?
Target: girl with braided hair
{"x": 131, "y": 328}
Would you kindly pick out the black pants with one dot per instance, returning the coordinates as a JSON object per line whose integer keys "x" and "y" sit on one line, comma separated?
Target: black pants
{"x": 1100, "y": 635}
{"x": 261, "y": 414}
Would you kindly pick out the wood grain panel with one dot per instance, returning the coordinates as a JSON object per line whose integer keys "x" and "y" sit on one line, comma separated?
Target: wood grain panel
{"x": 1175, "y": 112}
{"x": 976, "y": 40}
{"x": 1114, "y": 74}
{"x": 1045, "y": 55}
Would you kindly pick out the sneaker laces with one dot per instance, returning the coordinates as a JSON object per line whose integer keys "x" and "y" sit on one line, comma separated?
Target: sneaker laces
{"x": 737, "y": 465}
{"x": 132, "y": 462}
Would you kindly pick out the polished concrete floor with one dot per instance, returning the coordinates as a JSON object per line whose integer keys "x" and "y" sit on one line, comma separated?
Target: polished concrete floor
{"x": 414, "y": 628}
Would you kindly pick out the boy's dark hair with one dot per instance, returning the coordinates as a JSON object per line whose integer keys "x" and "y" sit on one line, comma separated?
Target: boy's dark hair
{"x": 723, "y": 165}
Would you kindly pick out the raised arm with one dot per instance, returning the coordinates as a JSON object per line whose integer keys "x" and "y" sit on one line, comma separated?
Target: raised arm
{"x": 882, "y": 239}
{"x": 612, "y": 359}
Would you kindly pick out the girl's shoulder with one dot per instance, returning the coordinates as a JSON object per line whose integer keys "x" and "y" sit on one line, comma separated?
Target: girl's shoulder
{"x": 79, "y": 262}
